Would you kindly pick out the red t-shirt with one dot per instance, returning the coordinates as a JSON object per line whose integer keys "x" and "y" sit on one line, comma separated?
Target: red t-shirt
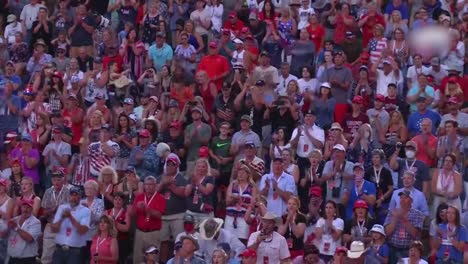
{"x": 462, "y": 81}
{"x": 156, "y": 202}
{"x": 368, "y": 27}
{"x": 117, "y": 59}
{"x": 421, "y": 154}
{"x": 351, "y": 124}
{"x": 316, "y": 36}
{"x": 214, "y": 65}
{"x": 235, "y": 28}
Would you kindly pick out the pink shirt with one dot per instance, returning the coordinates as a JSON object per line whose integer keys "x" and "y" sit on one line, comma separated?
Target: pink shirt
{"x": 103, "y": 246}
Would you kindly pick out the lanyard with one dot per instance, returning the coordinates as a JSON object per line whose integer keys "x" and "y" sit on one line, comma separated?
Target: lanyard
{"x": 377, "y": 175}
{"x": 151, "y": 199}
{"x": 115, "y": 216}
{"x": 445, "y": 181}
{"x": 358, "y": 189}
{"x": 108, "y": 188}
{"x": 56, "y": 197}
{"x": 410, "y": 168}
{"x": 361, "y": 227}
{"x": 99, "y": 242}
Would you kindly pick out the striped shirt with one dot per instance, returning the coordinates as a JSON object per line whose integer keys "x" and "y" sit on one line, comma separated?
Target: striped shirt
{"x": 376, "y": 47}
{"x": 98, "y": 158}
{"x": 401, "y": 238}
{"x": 244, "y": 195}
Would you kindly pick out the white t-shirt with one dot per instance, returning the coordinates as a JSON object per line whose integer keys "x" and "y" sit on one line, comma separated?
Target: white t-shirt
{"x": 304, "y": 145}
{"x": 29, "y": 14}
{"x": 238, "y": 58}
{"x": 406, "y": 261}
{"x": 413, "y": 72}
{"x": 61, "y": 148}
{"x": 304, "y": 14}
{"x": 384, "y": 80}
{"x": 327, "y": 245}
{"x": 197, "y": 17}
{"x": 216, "y": 14}
{"x": 11, "y": 30}
{"x": 307, "y": 86}
{"x": 75, "y": 77}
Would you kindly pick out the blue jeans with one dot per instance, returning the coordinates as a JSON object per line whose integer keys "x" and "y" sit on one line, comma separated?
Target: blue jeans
{"x": 71, "y": 256}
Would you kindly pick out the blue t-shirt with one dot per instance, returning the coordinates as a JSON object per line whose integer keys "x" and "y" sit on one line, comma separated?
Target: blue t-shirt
{"x": 382, "y": 251}
{"x": 368, "y": 188}
{"x": 402, "y": 8}
{"x": 160, "y": 56}
{"x": 459, "y": 235}
{"x": 414, "y": 121}
{"x": 428, "y": 92}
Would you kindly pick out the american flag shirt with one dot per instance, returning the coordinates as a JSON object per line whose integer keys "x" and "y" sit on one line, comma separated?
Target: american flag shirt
{"x": 376, "y": 47}
{"x": 99, "y": 159}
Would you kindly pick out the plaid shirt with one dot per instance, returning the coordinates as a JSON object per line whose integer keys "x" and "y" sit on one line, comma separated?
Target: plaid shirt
{"x": 401, "y": 238}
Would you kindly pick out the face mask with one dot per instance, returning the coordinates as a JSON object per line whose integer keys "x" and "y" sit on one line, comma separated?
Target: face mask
{"x": 410, "y": 154}
{"x": 189, "y": 227}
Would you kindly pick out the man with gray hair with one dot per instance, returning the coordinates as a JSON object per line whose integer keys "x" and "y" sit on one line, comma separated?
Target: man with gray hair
{"x": 426, "y": 143}
{"x": 149, "y": 207}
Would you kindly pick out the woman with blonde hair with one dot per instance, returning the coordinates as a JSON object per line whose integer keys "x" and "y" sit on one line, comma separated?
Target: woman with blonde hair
{"x": 93, "y": 131}
{"x": 240, "y": 195}
{"x": 451, "y": 89}
{"x": 447, "y": 183}
{"x": 219, "y": 256}
{"x": 107, "y": 181}
{"x": 293, "y": 227}
{"x": 104, "y": 246}
{"x": 335, "y": 137}
{"x": 6, "y": 211}
{"x": 313, "y": 176}
{"x": 200, "y": 192}
{"x": 396, "y": 132}
{"x": 395, "y": 22}
{"x": 96, "y": 205}
{"x": 27, "y": 193}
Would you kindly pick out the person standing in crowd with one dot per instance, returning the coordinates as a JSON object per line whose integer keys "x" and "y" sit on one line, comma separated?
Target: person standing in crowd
{"x": 212, "y": 234}
{"x": 23, "y": 235}
{"x": 104, "y": 247}
{"x": 402, "y": 226}
{"x": 71, "y": 223}
{"x": 143, "y": 157}
{"x": 278, "y": 187}
{"x": 268, "y": 243}
{"x": 103, "y": 152}
{"x": 172, "y": 185}
{"x": 149, "y": 207}
{"x": 53, "y": 197}
{"x": 419, "y": 200}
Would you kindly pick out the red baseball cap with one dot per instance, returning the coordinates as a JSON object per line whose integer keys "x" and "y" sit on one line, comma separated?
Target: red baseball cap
{"x": 315, "y": 191}
{"x": 341, "y": 249}
{"x": 173, "y": 158}
{"x": 452, "y": 79}
{"x": 213, "y": 45}
{"x": 232, "y": 14}
{"x": 360, "y": 204}
{"x": 248, "y": 253}
{"x": 357, "y": 99}
{"x": 144, "y": 133}
{"x": 203, "y": 152}
{"x": 245, "y": 30}
{"x": 380, "y": 97}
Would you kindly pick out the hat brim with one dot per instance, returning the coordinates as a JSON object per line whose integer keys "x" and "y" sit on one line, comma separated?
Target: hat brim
{"x": 203, "y": 235}
{"x": 354, "y": 254}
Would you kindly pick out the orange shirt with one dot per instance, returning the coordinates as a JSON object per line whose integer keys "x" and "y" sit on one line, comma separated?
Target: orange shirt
{"x": 155, "y": 202}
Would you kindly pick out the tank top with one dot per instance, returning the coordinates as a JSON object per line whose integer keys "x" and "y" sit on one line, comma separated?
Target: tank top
{"x": 445, "y": 182}
{"x": 245, "y": 195}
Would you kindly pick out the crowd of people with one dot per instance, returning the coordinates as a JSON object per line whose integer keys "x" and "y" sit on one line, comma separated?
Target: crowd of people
{"x": 256, "y": 131}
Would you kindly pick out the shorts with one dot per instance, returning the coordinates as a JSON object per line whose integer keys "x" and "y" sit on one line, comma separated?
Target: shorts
{"x": 172, "y": 225}
{"x": 242, "y": 230}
